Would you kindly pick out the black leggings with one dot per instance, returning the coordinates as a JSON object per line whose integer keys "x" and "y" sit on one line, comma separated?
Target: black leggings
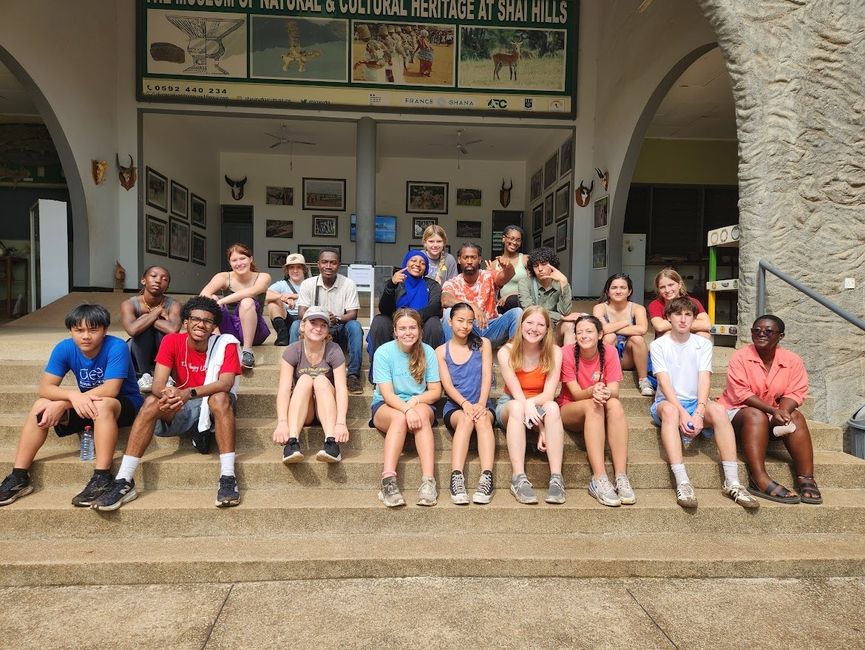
{"x": 144, "y": 348}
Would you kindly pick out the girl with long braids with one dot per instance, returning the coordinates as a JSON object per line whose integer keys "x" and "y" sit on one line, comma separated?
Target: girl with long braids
{"x": 407, "y": 386}
{"x": 589, "y": 400}
{"x": 466, "y": 370}
{"x": 531, "y": 363}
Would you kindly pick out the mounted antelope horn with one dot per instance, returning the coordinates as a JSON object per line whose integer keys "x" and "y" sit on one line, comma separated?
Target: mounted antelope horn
{"x": 505, "y": 193}
{"x": 236, "y": 187}
{"x": 127, "y": 175}
{"x": 604, "y": 176}
{"x": 583, "y": 193}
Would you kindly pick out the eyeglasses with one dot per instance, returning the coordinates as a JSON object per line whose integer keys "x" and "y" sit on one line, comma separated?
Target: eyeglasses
{"x": 768, "y": 331}
{"x": 207, "y": 322}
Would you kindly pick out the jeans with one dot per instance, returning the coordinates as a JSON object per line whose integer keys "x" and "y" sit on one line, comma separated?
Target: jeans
{"x": 499, "y": 330}
{"x": 349, "y": 336}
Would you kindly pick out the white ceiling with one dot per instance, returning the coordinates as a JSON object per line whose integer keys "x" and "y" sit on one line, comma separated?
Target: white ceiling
{"x": 698, "y": 106}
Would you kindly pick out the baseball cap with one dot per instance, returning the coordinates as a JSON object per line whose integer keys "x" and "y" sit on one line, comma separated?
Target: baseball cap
{"x": 316, "y": 312}
{"x": 294, "y": 258}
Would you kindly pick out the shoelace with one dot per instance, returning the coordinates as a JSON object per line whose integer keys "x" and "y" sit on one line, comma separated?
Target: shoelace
{"x": 458, "y": 483}
{"x": 485, "y": 485}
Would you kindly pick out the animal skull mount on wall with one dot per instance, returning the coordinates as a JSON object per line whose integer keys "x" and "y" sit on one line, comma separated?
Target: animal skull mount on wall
{"x": 236, "y": 187}
{"x": 505, "y": 193}
{"x": 604, "y": 176}
{"x": 127, "y": 175}
{"x": 583, "y": 193}
{"x": 98, "y": 167}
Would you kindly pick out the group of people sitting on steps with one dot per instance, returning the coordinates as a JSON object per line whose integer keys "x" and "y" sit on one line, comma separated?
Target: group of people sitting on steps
{"x": 442, "y": 324}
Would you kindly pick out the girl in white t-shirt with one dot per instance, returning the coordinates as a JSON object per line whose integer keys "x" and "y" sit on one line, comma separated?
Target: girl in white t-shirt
{"x": 589, "y": 400}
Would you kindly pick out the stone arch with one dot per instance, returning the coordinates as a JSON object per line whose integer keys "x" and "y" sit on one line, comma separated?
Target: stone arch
{"x": 80, "y": 229}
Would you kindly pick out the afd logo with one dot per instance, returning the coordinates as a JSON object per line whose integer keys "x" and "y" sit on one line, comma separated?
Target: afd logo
{"x": 501, "y": 104}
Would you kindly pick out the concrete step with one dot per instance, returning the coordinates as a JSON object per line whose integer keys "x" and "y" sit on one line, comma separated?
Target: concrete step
{"x": 47, "y": 514}
{"x": 292, "y": 557}
{"x": 257, "y": 433}
{"x": 361, "y": 469}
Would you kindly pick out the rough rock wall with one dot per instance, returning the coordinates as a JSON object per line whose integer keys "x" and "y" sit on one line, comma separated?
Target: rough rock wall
{"x": 797, "y": 72}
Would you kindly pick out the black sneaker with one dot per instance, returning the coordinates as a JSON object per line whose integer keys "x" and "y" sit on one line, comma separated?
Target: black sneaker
{"x": 291, "y": 452}
{"x": 201, "y": 440}
{"x": 228, "y": 494}
{"x": 353, "y": 384}
{"x": 484, "y": 491}
{"x": 120, "y": 492}
{"x": 247, "y": 359}
{"x": 14, "y": 487}
{"x": 330, "y": 452}
{"x": 99, "y": 484}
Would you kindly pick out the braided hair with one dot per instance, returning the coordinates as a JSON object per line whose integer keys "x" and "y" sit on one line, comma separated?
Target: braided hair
{"x": 597, "y": 323}
{"x": 473, "y": 340}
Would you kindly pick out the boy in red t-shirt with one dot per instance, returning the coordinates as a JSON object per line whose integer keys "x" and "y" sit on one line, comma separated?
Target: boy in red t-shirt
{"x": 204, "y": 367}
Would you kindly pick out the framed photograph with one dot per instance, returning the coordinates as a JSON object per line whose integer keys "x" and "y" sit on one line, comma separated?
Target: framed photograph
{"x": 279, "y": 195}
{"x": 324, "y": 194}
{"x": 601, "y": 213}
{"x": 385, "y": 229}
{"x": 156, "y": 190}
{"x": 566, "y": 157}
{"x": 536, "y": 240}
{"x": 278, "y": 228}
{"x": 426, "y": 197}
{"x": 178, "y": 239}
{"x": 537, "y": 185}
{"x": 550, "y": 242}
{"x": 469, "y": 230}
{"x": 599, "y": 254}
{"x": 538, "y": 218}
{"x": 198, "y": 211}
{"x": 419, "y": 224}
{"x": 199, "y": 248}
{"x": 179, "y": 200}
{"x": 275, "y": 259}
{"x": 563, "y": 202}
{"x": 548, "y": 210}
{"x": 156, "y": 235}
{"x": 310, "y": 252}
{"x": 562, "y": 236}
{"x": 323, "y": 226}
{"x": 471, "y": 198}
{"x": 551, "y": 170}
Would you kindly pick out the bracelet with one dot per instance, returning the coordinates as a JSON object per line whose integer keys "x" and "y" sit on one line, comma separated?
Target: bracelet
{"x": 407, "y": 410}
{"x": 463, "y": 403}
{"x": 699, "y": 415}
{"x": 701, "y": 403}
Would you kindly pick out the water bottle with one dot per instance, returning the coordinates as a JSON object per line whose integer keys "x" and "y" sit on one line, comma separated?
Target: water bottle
{"x": 686, "y": 440}
{"x": 88, "y": 450}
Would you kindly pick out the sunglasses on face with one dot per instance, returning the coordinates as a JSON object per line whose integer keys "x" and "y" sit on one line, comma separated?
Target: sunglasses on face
{"x": 767, "y": 331}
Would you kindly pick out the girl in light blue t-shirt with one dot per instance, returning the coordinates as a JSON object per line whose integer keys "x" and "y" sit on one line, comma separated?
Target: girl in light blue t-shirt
{"x": 406, "y": 376}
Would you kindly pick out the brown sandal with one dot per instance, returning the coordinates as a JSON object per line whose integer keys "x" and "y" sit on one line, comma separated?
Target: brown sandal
{"x": 808, "y": 490}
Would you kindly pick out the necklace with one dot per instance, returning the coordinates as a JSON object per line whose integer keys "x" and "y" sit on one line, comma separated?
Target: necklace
{"x": 150, "y": 307}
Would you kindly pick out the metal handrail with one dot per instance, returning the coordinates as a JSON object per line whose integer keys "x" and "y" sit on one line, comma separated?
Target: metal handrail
{"x": 763, "y": 266}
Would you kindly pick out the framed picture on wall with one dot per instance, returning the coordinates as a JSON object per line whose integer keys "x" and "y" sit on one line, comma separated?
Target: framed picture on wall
{"x": 548, "y": 210}
{"x": 469, "y": 197}
{"x": 279, "y": 195}
{"x": 537, "y": 185}
{"x": 563, "y": 202}
{"x": 599, "y": 254}
{"x": 275, "y": 259}
{"x": 156, "y": 190}
{"x": 324, "y": 226}
{"x": 601, "y": 212}
{"x": 278, "y": 228}
{"x": 562, "y": 236}
{"x": 426, "y": 197}
{"x": 549, "y": 242}
{"x": 385, "y": 229}
{"x": 178, "y": 239}
{"x": 551, "y": 170}
{"x": 538, "y": 218}
{"x": 536, "y": 240}
{"x": 468, "y": 229}
{"x": 310, "y": 251}
{"x": 566, "y": 157}
{"x": 199, "y": 248}
{"x": 419, "y": 224}
{"x": 198, "y": 211}
{"x": 179, "y": 200}
{"x": 324, "y": 194}
{"x": 156, "y": 235}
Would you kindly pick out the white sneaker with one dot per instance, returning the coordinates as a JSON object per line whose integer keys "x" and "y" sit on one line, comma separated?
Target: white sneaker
{"x": 741, "y": 496}
{"x": 604, "y": 492}
{"x": 625, "y": 491}
{"x": 427, "y": 494}
{"x": 685, "y": 495}
{"x": 646, "y": 387}
{"x": 145, "y": 383}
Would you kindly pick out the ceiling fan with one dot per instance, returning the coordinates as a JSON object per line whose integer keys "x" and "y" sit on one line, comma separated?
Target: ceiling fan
{"x": 461, "y": 146}
{"x": 284, "y": 138}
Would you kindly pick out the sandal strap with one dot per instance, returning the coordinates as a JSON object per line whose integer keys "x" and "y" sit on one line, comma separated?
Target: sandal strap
{"x": 806, "y": 482}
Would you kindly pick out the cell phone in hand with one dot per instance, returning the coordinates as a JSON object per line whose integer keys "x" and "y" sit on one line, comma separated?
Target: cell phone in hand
{"x": 529, "y": 424}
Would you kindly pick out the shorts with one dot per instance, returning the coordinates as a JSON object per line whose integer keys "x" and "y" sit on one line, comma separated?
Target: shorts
{"x": 377, "y": 405}
{"x": 447, "y": 418}
{"x": 186, "y": 420}
{"x": 690, "y": 405}
{"x": 76, "y": 423}
{"x": 621, "y": 342}
{"x": 503, "y": 400}
{"x": 231, "y": 325}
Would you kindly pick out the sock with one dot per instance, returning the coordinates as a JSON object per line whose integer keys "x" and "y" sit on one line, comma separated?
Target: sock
{"x": 127, "y": 468}
{"x": 245, "y": 349}
{"x": 226, "y": 464}
{"x": 20, "y": 473}
{"x": 385, "y": 475}
{"x": 731, "y": 471}
{"x": 600, "y": 476}
{"x": 680, "y": 473}
{"x": 102, "y": 472}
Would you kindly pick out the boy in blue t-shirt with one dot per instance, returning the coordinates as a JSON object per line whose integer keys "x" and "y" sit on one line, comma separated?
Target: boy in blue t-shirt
{"x": 107, "y": 397}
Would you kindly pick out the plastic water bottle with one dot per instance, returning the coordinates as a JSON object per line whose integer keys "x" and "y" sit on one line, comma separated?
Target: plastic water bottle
{"x": 88, "y": 450}
{"x": 686, "y": 440}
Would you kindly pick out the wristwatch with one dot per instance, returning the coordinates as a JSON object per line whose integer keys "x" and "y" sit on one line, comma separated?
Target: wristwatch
{"x": 193, "y": 393}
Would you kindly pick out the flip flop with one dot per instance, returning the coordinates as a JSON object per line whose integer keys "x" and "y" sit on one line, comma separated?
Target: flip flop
{"x": 773, "y": 492}
{"x": 808, "y": 490}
